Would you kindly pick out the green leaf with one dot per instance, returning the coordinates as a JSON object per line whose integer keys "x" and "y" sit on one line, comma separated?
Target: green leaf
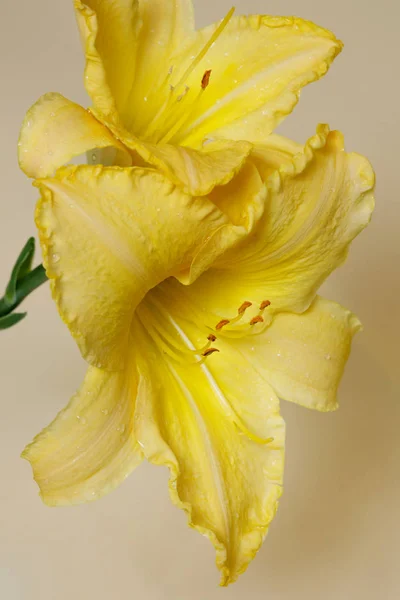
{"x": 21, "y": 268}
{"x": 10, "y": 320}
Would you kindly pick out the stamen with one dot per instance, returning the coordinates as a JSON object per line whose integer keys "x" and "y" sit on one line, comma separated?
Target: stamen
{"x": 244, "y": 307}
{"x": 265, "y": 304}
{"x": 241, "y": 310}
{"x": 222, "y": 324}
{"x": 206, "y": 79}
{"x": 170, "y": 110}
{"x": 257, "y": 319}
{"x": 253, "y": 436}
{"x": 182, "y": 353}
{"x": 206, "y": 48}
{"x": 211, "y": 338}
{"x": 210, "y": 351}
{"x": 154, "y": 123}
{"x": 180, "y": 122}
{"x": 181, "y": 96}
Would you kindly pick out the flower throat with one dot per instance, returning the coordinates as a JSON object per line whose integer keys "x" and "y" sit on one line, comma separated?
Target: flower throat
{"x": 180, "y": 105}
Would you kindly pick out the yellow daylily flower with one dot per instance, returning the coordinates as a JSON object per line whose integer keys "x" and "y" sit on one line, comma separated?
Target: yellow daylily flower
{"x": 188, "y": 272}
{"x": 188, "y": 102}
{"x": 162, "y": 292}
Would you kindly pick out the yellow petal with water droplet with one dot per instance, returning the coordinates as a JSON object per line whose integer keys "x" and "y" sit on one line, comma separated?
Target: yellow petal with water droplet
{"x": 316, "y": 203}
{"x": 90, "y": 448}
{"x": 55, "y": 130}
{"x": 216, "y": 426}
{"x": 259, "y": 65}
{"x": 303, "y": 356}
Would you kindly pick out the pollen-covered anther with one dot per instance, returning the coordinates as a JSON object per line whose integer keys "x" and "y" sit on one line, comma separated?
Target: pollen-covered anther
{"x": 206, "y": 79}
{"x": 209, "y": 352}
{"x": 211, "y": 339}
{"x": 222, "y": 324}
{"x": 265, "y": 304}
{"x": 257, "y": 319}
{"x": 244, "y": 307}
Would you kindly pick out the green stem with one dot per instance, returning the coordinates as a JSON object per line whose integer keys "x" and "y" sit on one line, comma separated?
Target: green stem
{"x": 26, "y": 286}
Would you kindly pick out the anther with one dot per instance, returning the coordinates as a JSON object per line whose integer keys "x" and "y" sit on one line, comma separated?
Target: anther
{"x": 265, "y": 304}
{"x": 212, "y": 338}
{"x": 209, "y": 352}
{"x": 222, "y": 324}
{"x": 206, "y": 79}
{"x": 257, "y": 319}
{"x": 181, "y": 96}
{"x": 244, "y": 307}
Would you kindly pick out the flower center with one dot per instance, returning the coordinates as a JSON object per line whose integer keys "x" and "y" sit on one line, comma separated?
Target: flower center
{"x": 166, "y": 332}
{"x": 171, "y": 339}
{"x": 181, "y": 103}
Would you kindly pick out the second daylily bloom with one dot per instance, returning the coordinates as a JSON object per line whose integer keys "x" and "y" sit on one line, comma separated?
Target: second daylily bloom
{"x": 190, "y": 288}
{"x": 160, "y": 89}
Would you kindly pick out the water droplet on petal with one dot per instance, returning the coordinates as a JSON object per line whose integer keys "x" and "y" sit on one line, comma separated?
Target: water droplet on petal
{"x": 56, "y": 258}
{"x": 104, "y": 411}
{"x": 328, "y": 357}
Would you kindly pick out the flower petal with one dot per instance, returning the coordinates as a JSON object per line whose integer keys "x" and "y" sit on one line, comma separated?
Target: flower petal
{"x": 55, "y": 130}
{"x": 109, "y": 31}
{"x": 258, "y": 66}
{"x": 317, "y": 203}
{"x": 212, "y": 425}
{"x": 108, "y": 235}
{"x": 166, "y": 25}
{"x": 196, "y": 171}
{"x": 90, "y": 448}
{"x": 303, "y": 356}
{"x": 199, "y": 171}
{"x": 127, "y": 45}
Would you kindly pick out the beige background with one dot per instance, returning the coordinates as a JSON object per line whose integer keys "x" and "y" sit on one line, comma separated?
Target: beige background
{"x": 337, "y": 532}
